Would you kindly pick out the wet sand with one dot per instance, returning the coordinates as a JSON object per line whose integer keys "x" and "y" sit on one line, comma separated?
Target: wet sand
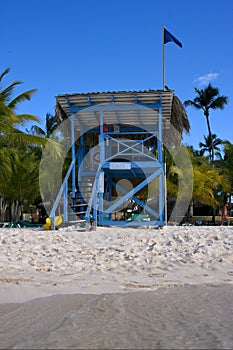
{"x": 188, "y": 317}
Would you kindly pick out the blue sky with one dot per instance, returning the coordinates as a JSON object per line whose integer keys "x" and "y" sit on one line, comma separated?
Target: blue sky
{"x": 75, "y": 46}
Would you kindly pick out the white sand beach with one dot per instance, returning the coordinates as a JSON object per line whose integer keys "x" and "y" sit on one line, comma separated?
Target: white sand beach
{"x": 117, "y": 287}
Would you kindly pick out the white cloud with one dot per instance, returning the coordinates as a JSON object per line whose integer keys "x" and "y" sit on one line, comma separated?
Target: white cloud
{"x": 205, "y": 79}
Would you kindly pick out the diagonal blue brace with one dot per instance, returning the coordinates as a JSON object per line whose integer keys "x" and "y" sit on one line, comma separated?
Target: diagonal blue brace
{"x": 134, "y": 191}
{"x": 142, "y": 204}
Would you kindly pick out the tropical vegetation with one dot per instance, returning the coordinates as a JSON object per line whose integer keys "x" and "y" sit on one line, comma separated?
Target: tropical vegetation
{"x": 22, "y": 165}
{"x": 206, "y": 100}
{"x": 206, "y": 180}
{"x": 210, "y": 144}
{"x": 20, "y": 152}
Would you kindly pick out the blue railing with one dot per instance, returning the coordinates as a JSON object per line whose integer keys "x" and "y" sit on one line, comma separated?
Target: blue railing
{"x": 63, "y": 190}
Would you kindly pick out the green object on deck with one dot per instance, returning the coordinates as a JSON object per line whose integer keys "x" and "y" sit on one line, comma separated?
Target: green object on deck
{"x": 139, "y": 217}
{"x": 19, "y": 223}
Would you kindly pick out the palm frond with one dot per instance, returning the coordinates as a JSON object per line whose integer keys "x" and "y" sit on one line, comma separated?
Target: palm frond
{"x": 188, "y": 103}
{"x": 5, "y": 95}
{"x": 21, "y": 119}
{"x": 37, "y": 130}
{"x": 6, "y": 71}
{"x": 219, "y": 102}
{"x": 22, "y": 97}
{"x": 20, "y": 137}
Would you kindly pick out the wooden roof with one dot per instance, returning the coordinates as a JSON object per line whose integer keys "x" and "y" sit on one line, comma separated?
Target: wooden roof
{"x": 135, "y": 115}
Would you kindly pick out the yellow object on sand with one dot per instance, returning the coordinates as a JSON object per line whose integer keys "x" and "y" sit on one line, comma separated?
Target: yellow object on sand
{"x": 58, "y": 222}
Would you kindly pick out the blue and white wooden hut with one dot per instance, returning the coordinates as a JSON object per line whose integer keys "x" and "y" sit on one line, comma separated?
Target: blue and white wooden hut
{"x": 117, "y": 164}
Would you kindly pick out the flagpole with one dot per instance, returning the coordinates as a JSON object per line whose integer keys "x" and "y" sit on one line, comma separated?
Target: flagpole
{"x": 163, "y": 58}
{"x": 164, "y": 177}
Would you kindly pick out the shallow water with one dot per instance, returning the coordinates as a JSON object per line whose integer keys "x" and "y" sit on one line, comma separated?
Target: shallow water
{"x": 167, "y": 318}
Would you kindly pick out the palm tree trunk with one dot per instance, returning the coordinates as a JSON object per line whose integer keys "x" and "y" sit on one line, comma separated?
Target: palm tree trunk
{"x": 190, "y": 210}
{"x": 210, "y": 134}
{"x": 16, "y": 209}
{"x": 3, "y": 206}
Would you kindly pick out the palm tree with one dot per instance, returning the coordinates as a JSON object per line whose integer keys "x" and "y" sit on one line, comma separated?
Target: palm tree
{"x": 209, "y": 143}
{"x": 11, "y": 137}
{"x": 11, "y": 122}
{"x": 50, "y": 126}
{"x": 9, "y": 119}
{"x": 18, "y": 194}
{"x": 226, "y": 164}
{"x": 207, "y": 99}
{"x": 207, "y": 179}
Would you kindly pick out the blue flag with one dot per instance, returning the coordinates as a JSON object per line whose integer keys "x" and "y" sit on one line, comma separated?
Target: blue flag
{"x": 169, "y": 37}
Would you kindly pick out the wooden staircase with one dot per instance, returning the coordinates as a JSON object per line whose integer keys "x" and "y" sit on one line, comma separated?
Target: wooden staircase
{"x": 79, "y": 203}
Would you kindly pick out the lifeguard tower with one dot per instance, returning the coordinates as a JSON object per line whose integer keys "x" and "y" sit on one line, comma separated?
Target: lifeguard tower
{"x": 116, "y": 141}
